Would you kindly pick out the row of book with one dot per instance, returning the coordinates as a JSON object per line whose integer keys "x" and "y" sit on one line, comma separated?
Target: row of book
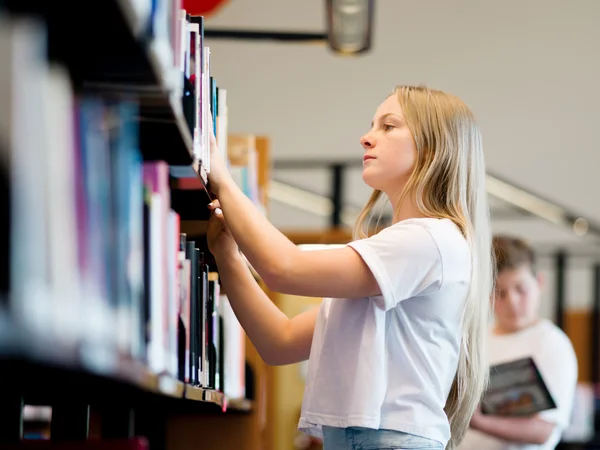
{"x": 194, "y": 81}
{"x": 97, "y": 256}
{"x": 194, "y": 334}
{"x": 205, "y": 108}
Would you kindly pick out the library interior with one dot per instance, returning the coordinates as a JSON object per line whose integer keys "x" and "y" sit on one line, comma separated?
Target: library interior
{"x": 156, "y": 343}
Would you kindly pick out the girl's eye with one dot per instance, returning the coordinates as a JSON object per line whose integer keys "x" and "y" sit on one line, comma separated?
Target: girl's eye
{"x": 388, "y": 127}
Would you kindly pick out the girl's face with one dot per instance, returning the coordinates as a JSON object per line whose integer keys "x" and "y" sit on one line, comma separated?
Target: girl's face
{"x": 390, "y": 151}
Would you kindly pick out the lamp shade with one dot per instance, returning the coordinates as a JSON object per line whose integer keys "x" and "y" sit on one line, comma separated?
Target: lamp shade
{"x": 350, "y": 25}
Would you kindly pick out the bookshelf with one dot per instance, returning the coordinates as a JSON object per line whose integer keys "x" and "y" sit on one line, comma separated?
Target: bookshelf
{"x": 104, "y": 161}
{"x": 139, "y": 67}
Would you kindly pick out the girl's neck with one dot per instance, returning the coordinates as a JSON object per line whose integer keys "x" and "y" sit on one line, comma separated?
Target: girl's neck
{"x": 406, "y": 210}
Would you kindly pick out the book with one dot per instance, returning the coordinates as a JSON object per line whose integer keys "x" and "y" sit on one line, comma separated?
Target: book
{"x": 192, "y": 364}
{"x": 516, "y": 389}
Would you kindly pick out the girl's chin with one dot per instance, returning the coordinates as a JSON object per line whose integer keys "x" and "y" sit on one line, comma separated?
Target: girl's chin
{"x": 370, "y": 178}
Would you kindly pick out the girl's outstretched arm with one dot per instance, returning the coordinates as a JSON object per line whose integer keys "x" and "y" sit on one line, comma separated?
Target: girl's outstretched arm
{"x": 339, "y": 272}
{"x": 278, "y": 339}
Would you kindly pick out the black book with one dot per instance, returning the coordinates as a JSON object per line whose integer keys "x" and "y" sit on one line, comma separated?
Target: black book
{"x": 221, "y": 355}
{"x": 190, "y": 253}
{"x": 189, "y": 102}
{"x": 199, "y": 318}
{"x": 516, "y": 389}
{"x": 181, "y": 329}
{"x": 205, "y": 318}
{"x": 210, "y": 308}
{"x": 5, "y": 229}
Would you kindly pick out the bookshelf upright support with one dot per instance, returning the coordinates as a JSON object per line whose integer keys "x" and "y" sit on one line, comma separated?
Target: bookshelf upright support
{"x": 70, "y": 421}
{"x": 11, "y": 416}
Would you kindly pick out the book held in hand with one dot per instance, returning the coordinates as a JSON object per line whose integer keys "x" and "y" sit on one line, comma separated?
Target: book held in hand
{"x": 516, "y": 389}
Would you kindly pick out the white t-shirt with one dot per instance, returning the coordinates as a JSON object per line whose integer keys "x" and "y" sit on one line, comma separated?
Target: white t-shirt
{"x": 388, "y": 361}
{"x": 555, "y": 358}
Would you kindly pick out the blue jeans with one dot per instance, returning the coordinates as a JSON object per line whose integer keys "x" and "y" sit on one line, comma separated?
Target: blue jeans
{"x": 356, "y": 438}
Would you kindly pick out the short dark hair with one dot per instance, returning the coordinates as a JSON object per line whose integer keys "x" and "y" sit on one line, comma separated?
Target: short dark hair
{"x": 511, "y": 253}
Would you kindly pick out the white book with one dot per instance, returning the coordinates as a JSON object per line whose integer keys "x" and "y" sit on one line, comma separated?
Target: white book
{"x": 234, "y": 352}
{"x": 206, "y": 116}
{"x": 173, "y": 293}
{"x": 140, "y": 13}
{"x": 58, "y": 109}
{"x": 222, "y": 123}
{"x": 183, "y": 43}
{"x": 156, "y": 349}
{"x": 22, "y": 58}
{"x": 194, "y": 29}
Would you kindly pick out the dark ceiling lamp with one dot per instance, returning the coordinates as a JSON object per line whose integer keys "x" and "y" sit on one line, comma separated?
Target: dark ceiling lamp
{"x": 349, "y": 29}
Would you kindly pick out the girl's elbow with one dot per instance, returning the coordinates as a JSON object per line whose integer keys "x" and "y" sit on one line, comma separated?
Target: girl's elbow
{"x": 277, "y": 277}
{"x": 282, "y": 272}
{"x": 273, "y": 359}
{"x": 275, "y": 282}
{"x": 543, "y": 436}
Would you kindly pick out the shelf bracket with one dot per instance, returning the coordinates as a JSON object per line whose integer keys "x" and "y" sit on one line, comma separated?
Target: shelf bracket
{"x": 11, "y": 417}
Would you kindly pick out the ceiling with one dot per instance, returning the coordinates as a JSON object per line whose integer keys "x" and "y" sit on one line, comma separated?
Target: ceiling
{"x": 527, "y": 68}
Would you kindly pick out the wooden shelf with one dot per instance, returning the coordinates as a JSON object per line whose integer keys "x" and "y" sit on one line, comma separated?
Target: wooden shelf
{"x": 240, "y": 405}
{"x": 43, "y": 371}
{"x": 200, "y": 394}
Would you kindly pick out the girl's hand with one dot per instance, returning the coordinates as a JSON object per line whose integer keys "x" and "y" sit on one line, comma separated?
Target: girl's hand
{"x": 218, "y": 167}
{"x": 220, "y": 240}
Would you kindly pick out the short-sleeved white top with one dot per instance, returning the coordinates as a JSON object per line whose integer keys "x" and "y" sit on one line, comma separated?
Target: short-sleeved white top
{"x": 555, "y": 358}
{"x": 388, "y": 361}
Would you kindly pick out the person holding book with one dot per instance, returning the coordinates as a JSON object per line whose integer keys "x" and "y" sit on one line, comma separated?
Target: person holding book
{"x": 518, "y": 332}
{"x": 397, "y": 348}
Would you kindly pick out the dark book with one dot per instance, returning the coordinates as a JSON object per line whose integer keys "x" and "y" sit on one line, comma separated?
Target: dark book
{"x": 210, "y": 309}
{"x": 205, "y": 318}
{"x": 191, "y": 254}
{"x": 221, "y": 355}
{"x": 188, "y": 102}
{"x": 516, "y": 389}
{"x": 5, "y": 219}
{"x": 183, "y": 313}
{"x": 213, "y": 311}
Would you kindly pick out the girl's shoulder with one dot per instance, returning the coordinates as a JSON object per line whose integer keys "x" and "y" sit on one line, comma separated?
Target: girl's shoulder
{"x": 444, "y": 233}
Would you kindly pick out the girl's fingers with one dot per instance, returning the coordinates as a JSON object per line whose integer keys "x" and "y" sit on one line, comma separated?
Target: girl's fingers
{"x": 214, "y": 222}
{"x": 214, "y": 205}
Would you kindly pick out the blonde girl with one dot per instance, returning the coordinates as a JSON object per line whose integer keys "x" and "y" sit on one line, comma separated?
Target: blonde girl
{"x": 397, "y": 348}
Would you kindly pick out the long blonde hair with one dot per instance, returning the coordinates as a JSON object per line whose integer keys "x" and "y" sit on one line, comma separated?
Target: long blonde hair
{"x": 448, "y": 181}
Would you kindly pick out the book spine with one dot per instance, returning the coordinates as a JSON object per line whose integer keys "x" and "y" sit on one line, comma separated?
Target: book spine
{"x": 191, "y": 254}
{"x": 172, "y": 322}
{"x": 203, "y": 320}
